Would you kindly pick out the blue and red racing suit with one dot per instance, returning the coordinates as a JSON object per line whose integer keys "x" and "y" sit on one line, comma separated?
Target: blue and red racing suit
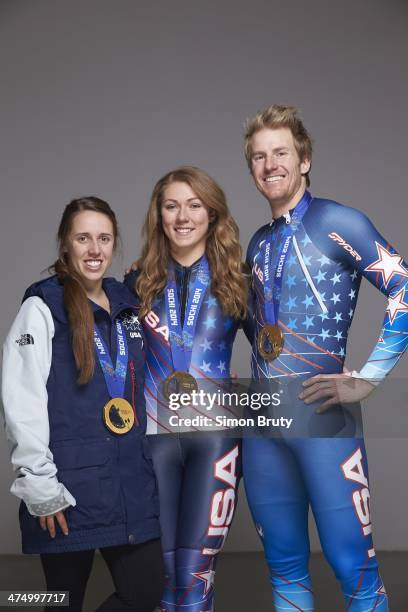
{"x": 332, "y": 247}
{"x": 198, "y": 471}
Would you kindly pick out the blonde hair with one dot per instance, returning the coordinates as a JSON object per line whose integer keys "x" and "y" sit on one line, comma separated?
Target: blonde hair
{"x": 279, "y": 116}
{"x": 222, "y": 245}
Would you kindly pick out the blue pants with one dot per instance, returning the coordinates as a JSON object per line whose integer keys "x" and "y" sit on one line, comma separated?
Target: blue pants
{"x": 198, "y": 477}
{"x": 282, "y": 477}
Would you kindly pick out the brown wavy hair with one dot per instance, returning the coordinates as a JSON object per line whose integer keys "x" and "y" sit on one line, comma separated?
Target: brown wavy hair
{"x": 223, "y": 250}
{"x": 80, "y": 315}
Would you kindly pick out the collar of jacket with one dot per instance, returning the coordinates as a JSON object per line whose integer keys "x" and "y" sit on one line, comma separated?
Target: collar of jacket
{"x": 180, "y": 269}
{"x": 52, "y": 292}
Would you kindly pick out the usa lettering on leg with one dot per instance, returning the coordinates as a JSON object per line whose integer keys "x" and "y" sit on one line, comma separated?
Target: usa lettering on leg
{"x": 353, "y": 470}
{"x": 223, "y": 501}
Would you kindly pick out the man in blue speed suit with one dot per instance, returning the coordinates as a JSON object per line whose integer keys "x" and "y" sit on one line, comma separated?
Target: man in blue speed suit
{"x": 307, "y": 265}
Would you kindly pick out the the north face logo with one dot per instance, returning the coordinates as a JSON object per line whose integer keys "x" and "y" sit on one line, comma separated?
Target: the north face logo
{"x": 25, "y": 339}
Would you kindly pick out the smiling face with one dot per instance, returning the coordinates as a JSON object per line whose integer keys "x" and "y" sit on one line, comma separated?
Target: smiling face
{"x": 276, "y": 168}
{"x": 185, "y": 222}
{"x": 90, "y": 246}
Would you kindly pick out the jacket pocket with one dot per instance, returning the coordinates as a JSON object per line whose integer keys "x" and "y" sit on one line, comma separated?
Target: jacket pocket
{"x": 87, "y": 470}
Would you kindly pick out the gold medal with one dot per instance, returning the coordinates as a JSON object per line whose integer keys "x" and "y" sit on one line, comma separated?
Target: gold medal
{"x": 118, "y": 415}
{"x": 179, "y": 382}
{"x": 270, "y": 342}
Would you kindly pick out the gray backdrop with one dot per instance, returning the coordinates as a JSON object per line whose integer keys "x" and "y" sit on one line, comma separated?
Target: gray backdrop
{"x": 102, "y": 97}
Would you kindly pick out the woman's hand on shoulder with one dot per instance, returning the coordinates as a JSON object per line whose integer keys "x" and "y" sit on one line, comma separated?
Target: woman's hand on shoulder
{"x": 132, "y": 268}
{"x": 48, "y": 522}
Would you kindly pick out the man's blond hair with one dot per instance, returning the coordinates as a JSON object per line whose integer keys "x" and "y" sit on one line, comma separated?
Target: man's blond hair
{"x": 279, "y": 116}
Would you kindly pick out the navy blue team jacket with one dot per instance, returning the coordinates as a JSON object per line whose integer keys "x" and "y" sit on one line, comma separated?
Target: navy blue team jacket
{"x": 111, "y": 476}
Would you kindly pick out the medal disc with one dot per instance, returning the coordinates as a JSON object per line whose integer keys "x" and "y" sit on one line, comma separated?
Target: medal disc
{"x": 179, "y": 382}
{"x": 270, "y": 342}
{"x": 118, "y": 415}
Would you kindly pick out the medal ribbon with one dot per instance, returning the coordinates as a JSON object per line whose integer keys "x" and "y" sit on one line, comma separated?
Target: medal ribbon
{"x": 114, "y": 377}
{"x": 272, "y": 282}
{"x": 181, "y": 338}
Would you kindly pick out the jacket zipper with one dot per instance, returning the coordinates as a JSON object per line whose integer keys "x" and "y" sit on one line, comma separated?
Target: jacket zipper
{"x": 184, "y": 293}
{"x": 133, "y": 377}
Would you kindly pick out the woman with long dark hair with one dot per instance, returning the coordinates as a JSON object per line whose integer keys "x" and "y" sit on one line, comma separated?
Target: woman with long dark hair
{"x": 193, "y": 299}
{"x": 75, "y": 416}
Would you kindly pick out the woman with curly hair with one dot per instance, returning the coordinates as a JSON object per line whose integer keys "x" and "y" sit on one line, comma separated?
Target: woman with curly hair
{"x": 193, "y": 299}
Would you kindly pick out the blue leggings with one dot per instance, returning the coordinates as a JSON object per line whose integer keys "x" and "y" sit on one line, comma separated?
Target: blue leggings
{"x": 282, "y": 477}
{"x": 198, "y": 477}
